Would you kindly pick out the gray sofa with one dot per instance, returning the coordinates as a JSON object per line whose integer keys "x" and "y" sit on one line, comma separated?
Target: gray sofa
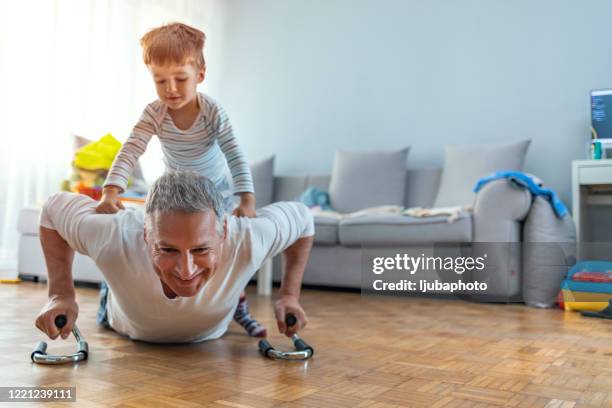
{"x": 496, "y": 227}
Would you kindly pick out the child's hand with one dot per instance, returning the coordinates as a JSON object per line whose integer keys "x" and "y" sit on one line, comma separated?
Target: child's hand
{"x": 246, "y": 207}
{"x": 110, "y": 202}
{"x": 245, "y": 211}
{"x": 109, "y": 205}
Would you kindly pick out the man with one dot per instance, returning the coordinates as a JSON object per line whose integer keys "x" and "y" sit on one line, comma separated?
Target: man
{"x": 174, "y": 273}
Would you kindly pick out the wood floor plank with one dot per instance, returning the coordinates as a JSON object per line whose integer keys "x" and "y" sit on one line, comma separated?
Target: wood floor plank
{"x": 369, "y": 353}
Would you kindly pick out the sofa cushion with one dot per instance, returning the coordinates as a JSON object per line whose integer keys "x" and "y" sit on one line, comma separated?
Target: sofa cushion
{"x": 465, "y": 165}
{"x": 400, "y": 230}
{"x": 263, "y": 180}
{"x": 422, "y": 187}
{"x": 326, "y": 230}
{"x": 367, "y": 179}
{"x": 320, "y": 181}
{"x": 289, "y": 188}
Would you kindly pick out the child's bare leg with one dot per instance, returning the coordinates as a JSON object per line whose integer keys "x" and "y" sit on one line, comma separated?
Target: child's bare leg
{"x": 244, "y": 318}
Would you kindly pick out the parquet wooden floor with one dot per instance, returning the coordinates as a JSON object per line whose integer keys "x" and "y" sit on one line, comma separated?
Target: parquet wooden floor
{"x": 369, "y": 353}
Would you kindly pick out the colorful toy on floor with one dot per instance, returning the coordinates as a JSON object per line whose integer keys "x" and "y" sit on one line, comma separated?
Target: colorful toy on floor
{"x": 597, "y": 277}
{"x": 604, "y": 314}
{"x": 91, "y": 164}
{"x": 587, "y": 286}
{"x": 98, "y": 155}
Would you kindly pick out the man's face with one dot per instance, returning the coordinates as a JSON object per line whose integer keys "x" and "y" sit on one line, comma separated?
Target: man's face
{"x": 185, "y": 248}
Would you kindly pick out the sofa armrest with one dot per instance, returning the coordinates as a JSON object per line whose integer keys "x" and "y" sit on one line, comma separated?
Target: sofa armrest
{"x": 499, "y": 208}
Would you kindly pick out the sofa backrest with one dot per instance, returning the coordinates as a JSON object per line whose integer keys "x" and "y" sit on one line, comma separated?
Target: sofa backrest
{"x": 421, "y": 186}
{"x": 288, "y": 188}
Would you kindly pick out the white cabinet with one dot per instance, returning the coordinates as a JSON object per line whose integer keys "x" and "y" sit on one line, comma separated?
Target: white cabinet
{"x": 591, "y": 186}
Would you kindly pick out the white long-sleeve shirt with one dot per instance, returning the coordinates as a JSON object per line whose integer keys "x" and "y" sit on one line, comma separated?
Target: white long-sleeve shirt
{"x": 207, "y": 147}
{"x": 137, "y": 306}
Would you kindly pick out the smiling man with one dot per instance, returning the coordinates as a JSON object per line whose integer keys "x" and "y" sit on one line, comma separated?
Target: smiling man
{"x": 174, "y": 273}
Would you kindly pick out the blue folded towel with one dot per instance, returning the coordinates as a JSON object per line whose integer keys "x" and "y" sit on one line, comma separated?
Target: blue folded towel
{"x": 314, "y": 197}
{"x": 528, "y": 182}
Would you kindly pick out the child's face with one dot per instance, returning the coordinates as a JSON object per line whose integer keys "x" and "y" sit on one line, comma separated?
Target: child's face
{"x": 176, "y": 85}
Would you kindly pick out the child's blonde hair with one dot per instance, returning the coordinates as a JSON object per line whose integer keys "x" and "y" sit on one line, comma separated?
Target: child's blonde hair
{"x": 176, "y": 42}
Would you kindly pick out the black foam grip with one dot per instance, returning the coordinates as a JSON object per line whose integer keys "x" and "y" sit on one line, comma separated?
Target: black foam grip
{"x": 264, "y": 347}
{"x": 300, "y": 345}
{"x": 290, "y": 320}
{"x": 60, "y": 321}
{"x": 83, "y": 348}
{"x": 41, "y": 348}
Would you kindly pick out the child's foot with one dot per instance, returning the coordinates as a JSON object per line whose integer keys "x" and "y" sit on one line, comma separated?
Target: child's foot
{"x": 244, "y": 318}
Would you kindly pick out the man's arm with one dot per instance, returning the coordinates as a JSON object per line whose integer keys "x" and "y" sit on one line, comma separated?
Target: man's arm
{"x": 295, "y": 259}
{"x": 58, "y": 257}
{"x": 288, "y": 227}
{"x": 68, "y": 222}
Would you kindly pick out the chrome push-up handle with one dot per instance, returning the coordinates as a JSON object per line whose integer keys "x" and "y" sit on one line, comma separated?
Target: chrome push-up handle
{"x": 302, "y": 350}
{"x": 40, "y": 356}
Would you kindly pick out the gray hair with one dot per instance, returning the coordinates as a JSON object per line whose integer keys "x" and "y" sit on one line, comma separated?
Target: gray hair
{"x": 184, "y": 191}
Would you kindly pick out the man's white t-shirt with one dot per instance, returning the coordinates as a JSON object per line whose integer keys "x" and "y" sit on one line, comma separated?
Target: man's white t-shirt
{"x": 137, "y": 306}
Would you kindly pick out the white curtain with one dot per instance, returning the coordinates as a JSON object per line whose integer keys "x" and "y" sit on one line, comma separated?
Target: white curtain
{"x": 70, "y": 67}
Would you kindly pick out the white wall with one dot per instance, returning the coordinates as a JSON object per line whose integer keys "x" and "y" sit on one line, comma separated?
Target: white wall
{"x": 301, "y": 79}
{"x": 70, "y": 67}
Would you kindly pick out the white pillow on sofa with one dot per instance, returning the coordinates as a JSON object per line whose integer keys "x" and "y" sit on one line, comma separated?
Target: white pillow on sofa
{"x": 367, "y": 179}
{"x": 465, "y": 165}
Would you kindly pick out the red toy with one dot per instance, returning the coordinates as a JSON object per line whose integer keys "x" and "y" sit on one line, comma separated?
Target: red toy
{"x": 599, "y": 277}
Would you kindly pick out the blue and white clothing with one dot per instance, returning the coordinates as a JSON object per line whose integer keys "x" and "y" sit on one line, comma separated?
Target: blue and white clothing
{"x": 207, "y": 147}
{"x": 531, "y": 183}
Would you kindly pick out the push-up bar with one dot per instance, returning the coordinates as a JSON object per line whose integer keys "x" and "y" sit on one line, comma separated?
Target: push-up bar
{"x": 40, "y": 356}
{"x": 302, "y": 350}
